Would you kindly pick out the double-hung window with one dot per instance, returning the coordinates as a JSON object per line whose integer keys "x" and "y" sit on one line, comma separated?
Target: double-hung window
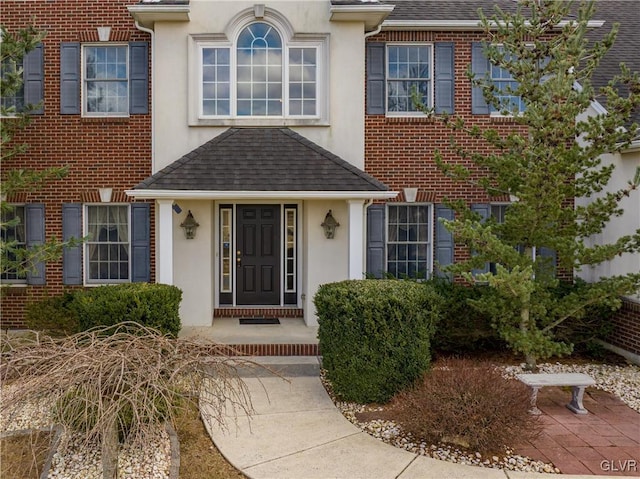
{"x": 12, "y": 101}
{"x": 107, "y": 250}
{"x": 408, "y": 73}
{"x": 260, "y": 74}
{"x": 13, "y": 234}
{"x": 106, "y": 80}
{"x": 506, "y": 86}
{"x": 409, "y": 240}
{"x": 505, "y": 91}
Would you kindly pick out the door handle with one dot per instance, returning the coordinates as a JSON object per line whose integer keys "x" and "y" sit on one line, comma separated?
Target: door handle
{"x": 238, "y": 258}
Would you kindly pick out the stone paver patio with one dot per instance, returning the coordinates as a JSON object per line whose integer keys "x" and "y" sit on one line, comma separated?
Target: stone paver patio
{"x": 606, "y": 441}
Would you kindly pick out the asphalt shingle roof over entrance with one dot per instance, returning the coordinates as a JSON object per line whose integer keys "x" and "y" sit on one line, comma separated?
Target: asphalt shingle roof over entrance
{"x": 261, "y": 159}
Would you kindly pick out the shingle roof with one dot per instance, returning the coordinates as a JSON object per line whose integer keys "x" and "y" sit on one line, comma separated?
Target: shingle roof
{"x": 446, "y": 9}
{"x": 626, "y": 12}
{"x": 626, "y": 48}
{"x": 261, "y": 159}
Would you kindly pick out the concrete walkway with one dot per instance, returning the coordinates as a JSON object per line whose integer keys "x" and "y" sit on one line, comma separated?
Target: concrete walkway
{"x": 297, "y": 433}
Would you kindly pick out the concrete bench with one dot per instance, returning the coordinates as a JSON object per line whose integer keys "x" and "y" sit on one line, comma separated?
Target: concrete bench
{"x": 577, "y": 381}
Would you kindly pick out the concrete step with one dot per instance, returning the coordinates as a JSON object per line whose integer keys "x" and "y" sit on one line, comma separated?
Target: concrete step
{"x": 287, "y": 366}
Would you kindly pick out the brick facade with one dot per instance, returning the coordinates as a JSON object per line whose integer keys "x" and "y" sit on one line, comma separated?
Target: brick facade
{"x": 399, "y": 151}
{"x": 99, "y": 152}
{"x": 626, "y": 327}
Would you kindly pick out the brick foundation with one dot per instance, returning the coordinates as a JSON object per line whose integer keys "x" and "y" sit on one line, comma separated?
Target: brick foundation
{"x": 272, "y": 350}
{"x": 626, "y": 323}
{"x": 243, "y": 312}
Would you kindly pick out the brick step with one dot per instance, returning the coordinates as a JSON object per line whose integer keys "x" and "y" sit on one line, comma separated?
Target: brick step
{"x": 243, "y": 312}
{"x": 272, "y": 349}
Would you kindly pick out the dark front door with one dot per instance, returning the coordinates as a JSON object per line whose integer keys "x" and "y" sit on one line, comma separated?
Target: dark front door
{"x": 258, "y": 254}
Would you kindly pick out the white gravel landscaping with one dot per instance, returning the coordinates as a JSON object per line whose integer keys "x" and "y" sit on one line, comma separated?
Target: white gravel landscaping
{"x": 153, "y": 460}
{"x": 622, "y": 381}
{"x": 74, "y": 460}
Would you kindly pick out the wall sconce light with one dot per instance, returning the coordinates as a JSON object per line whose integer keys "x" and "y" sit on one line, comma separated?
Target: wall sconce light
{"x": 190, "y": 226}
{"x": 329, "y": 224}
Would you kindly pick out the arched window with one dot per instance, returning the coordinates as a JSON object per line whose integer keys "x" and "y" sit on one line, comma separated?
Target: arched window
{"x": 259, "y": 71}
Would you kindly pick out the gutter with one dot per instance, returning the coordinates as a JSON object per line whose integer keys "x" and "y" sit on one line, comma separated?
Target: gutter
{"x": 634, "y": 147}
{"x": 238, "y": 194}
{"x": 458, "y": 25}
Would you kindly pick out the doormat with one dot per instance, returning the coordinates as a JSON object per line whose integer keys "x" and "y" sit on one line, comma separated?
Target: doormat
{"x": 259, "y": 321}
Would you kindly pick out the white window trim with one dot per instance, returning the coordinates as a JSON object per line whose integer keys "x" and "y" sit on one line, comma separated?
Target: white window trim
{"x": 231, "y": 211}
{"x": 318, "y": 41}
{"x": 83, "y": 84}
{"x": 85, "y": 246}
{"x": 22, "y": 282}
{"x": 498, "y": 114}
{"x": 430, "y": 229}
{"x": 409, "y": 114}
{"x": 296, "y": 248}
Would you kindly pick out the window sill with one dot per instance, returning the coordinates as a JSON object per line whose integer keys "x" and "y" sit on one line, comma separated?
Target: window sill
{"x": 497, "y": 118}
{"x": 97, "y": 285}
{"x": 105, "y": 119}
{"x": 15, "y": 288}
{"x": 264, "y": 122}
{"x": 410, "y": 119}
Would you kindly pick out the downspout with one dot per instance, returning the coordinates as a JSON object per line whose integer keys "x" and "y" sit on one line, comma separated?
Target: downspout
{"x": 374, "y": 32}
{"x": 368, "y": 202}
{"x": 153, "y": 104}
{"x": 365, "y": 237}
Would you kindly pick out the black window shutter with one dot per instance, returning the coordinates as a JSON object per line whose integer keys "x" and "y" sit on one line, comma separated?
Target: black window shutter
{"x": 444, "y": 241}
{"x": 33, "y": 76}
{"x": 444, "y": 77}
{"x": 479, "y": 67}
{"x": 70, "y": 78}
{"x": 34, "y": 224}
{"x": 484, "y": 210}
{"x": 138, "y": 78}
{"x": 140, "y": 243}
{"x": 375, "y": 240}
{"x": 376, "y": 78}
{"x": 72, "y": 257}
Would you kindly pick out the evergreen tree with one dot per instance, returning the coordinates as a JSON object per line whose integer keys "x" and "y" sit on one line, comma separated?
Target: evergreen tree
{"x": 543, "y": 167}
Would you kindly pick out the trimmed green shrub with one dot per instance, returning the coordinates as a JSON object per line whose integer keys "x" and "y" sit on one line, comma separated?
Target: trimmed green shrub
{"x": 53, "y": 316}
{"x": 461, "y": 328}
{"x": 375, "y": 335}
{"x": 152, "y": 305}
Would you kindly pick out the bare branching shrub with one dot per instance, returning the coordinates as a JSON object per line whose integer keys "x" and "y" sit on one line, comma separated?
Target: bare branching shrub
{"x": 469, "y": 404}
{"x": 126, "y": 382}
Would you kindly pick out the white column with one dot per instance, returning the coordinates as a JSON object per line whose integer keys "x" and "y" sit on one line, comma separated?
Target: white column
{"x": 356, "y": 239}
{"x": 164, "y": 242}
